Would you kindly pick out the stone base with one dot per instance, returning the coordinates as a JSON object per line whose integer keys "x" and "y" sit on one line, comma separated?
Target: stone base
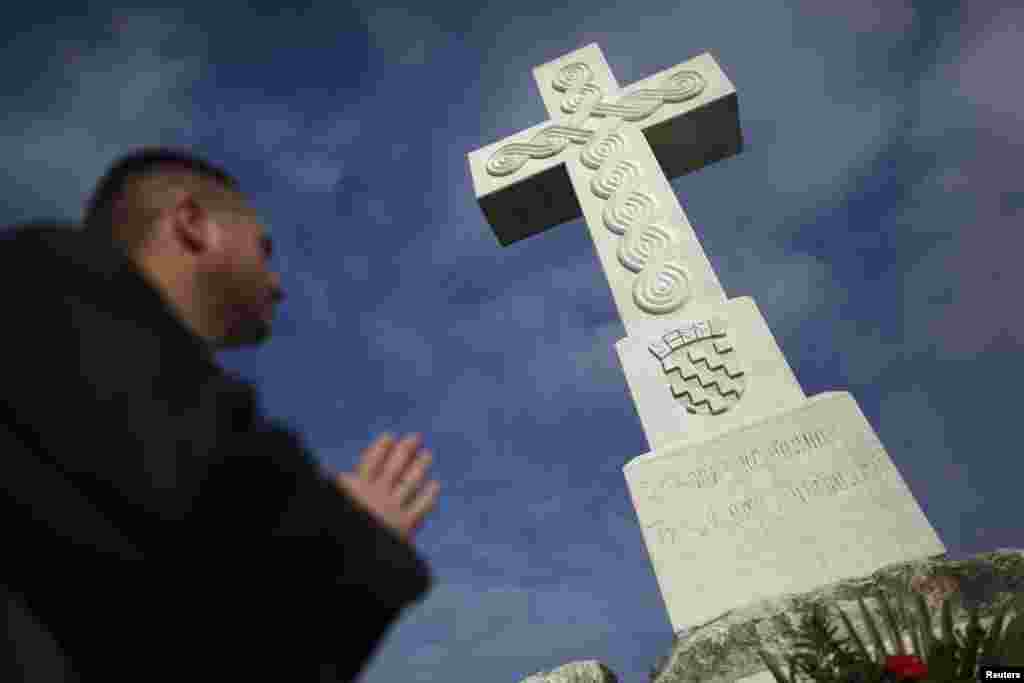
{"x": 590, "y": 671}
{"x": 794, "y": 501}
{"x": 724, "y": 650}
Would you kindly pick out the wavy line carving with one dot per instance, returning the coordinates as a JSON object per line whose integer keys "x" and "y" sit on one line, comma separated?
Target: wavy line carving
{"x": 650, "y": 245}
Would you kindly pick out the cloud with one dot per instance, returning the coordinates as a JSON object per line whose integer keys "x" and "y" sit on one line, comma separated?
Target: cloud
{"x": 980, "y": 71}
{"x": 92, "y": 103}
{"x": 398, "y": 344}
{"x": 958, "y": 293}
{"x": 501, "y": 625}
{"x": 864, "y": 15}
{"x": 926, "y": 456}
{"x": 310, "y": 155}
{"x": 405, "y": 36}
{"x": 315, "y": 292}
{"x": 310, "y": 172}
{"x": 865, "y": 354}
{"x": 556, "y": 314}
{"x": 787, "y": 286}
{"x": 472, "y": 398}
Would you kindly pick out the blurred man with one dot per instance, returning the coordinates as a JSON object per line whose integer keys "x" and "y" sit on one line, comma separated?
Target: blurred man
{"x": 156, "y": 526}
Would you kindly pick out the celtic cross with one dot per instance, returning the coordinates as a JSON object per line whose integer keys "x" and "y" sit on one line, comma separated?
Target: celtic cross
{"x": 608, "y": 155}
{"x": 751, "y": 488}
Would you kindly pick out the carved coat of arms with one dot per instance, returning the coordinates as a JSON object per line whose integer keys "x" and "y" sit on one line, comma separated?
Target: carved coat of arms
{"x": 701, "y": 366}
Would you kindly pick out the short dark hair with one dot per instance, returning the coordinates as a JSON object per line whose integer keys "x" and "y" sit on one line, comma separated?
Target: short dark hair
{"x": 100, "y": 209}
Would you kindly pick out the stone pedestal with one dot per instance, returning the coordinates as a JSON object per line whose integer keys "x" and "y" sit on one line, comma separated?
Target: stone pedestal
{"x": 780, "y": 506}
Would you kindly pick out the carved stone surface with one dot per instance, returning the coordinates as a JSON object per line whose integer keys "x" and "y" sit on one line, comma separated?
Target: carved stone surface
{"x": 724, "y": 650}
{"x": 701, "y": 363}
{"x": 605, "y": 155}
{"x": 691, "y": 391}
{"x": 783, "y": 505}
{"x": 591, "y": 671}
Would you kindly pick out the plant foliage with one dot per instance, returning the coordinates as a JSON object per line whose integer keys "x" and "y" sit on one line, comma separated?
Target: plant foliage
{"x": 820, "y": 654}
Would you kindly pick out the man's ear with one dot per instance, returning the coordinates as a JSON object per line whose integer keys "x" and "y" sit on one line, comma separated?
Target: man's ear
{"x": 196, "y": 226}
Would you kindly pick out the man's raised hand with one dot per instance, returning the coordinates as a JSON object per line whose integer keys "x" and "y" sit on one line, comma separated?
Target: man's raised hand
{"x": 388, "y": 482}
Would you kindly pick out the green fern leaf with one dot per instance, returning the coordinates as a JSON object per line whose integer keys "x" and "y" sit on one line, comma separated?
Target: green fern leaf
{"x": 915, "y": 636}
{"x": 854, "y": 636}
{"x": 943, "y": 661}
{"x": 773, "y": 666}
{"x": 791, "y": 661}
{"x": 876, "y": 638}
{"x": 817, "y": 646}
{"x": 1011, "y": 651}
{"x": 927, "y": 634}
{"x": 990, "y": 650}
{"x": 947, "y": 623}
{"x": 972, "y": 641}
{"x": 894, "y": 629}
{"x": 905, "y": 618}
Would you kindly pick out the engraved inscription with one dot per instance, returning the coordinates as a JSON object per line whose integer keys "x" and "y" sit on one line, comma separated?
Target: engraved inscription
{"x": 700, "y": 478}
{"x": 770, "y": 508}
{"x": 748, "y": 507}
{"x": 663, "y": 533}
{"x": 797, "y": 445}
{"x": 835, "y": 483}
{"x": 733, "y": 515}
{"x": 708, "y": 476}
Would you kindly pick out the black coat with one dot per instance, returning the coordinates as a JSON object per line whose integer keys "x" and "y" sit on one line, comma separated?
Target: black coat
{"x": 154, "y": 524}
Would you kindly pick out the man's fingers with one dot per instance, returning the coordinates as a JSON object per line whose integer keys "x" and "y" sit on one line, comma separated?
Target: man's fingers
{"x": 399, "y": 457}
{"x": 414, "y": 476}
{"x": 424, "y": 502}
{"x": 370, "y": 466}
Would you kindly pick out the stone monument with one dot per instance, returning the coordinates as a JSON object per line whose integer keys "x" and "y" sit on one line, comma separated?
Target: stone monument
{"x": 751, "y": 489}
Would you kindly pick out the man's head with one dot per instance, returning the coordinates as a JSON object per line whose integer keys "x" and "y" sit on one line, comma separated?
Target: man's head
{"x": 191, "y": 232}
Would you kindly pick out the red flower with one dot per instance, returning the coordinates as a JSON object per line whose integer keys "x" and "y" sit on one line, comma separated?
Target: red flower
{"x": 906, "y": 666}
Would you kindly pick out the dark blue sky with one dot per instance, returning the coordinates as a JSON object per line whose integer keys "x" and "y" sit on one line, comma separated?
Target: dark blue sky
{"x": 874, "y": 216}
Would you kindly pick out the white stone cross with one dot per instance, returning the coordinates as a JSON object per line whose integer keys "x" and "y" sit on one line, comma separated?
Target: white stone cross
{"x": 751, "y": 488}
{"x": 679, "y": 119}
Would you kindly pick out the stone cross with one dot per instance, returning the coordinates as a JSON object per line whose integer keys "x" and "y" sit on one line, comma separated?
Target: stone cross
{"x": 751, "y": 489}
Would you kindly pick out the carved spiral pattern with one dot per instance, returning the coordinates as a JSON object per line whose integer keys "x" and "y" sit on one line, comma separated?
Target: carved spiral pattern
{"x": 551, "y": 140}
{"x": 634, "y": 106}
{"x": 644, "y": 243}
{"x": 506, "y": 162}
{"x": 608, "y": 180}
{"x": 663, "y": 284}
{"x": 633, "y": 211}
{"x": 575, "y": 99}
{"x": 571, "y": 76}
{"x": 512, "y": 157}
{"x": 683, "y": 85}
{"x": 600, "y": 149}
{"x": 575, "y": 80}
{"x": 662, "y": 289}
{"x": 629, "y": 208}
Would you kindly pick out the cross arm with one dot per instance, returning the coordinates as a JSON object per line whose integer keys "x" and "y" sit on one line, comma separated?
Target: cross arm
{"x": 684, "y": 136}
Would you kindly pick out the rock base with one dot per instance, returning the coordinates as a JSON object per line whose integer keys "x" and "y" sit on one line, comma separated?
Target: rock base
{"x": 724, "y": 650}
{"x": 591, "y": 671}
